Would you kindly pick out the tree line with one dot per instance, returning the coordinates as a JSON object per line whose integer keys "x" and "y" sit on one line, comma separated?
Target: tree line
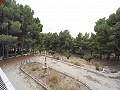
{"x": 105, "y": 43}
{"x": 19, "y": 30}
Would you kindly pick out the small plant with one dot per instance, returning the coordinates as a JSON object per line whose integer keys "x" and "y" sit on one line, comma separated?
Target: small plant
{"x": 52, "y": 52}
{"x": 97, "y": 67}
{"x": 67, "y": 54}
{"x": 81, "y": 53}
{"x": 57, "y": 58}
{"x": 88, "y": 57}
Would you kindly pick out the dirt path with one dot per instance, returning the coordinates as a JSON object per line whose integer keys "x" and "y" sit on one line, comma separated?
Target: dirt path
{"x": 93, "y": 80}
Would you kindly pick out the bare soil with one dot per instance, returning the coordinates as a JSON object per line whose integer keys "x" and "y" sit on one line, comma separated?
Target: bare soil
{"x": 109, "y": 64}
{"x": 55, "y": 80}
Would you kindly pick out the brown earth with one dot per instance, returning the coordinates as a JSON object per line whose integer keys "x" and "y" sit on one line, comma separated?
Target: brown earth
{"x": 55, "y": 80}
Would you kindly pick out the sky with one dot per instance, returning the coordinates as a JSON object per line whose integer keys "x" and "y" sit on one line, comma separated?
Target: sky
{"x": 73, "y": 15}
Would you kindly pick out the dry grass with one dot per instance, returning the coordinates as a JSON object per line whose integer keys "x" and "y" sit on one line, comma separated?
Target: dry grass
{"x": 53, "y": 78}
{"x": 76, "y": 63}
{"x": 56, "y": 57}
{"x": 92, "y": 78}
{"x": 67, "y": 87}
{"x": 32, "y": 68}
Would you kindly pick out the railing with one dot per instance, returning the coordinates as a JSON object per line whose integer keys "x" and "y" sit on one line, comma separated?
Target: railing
{"x": 5, "y": 84}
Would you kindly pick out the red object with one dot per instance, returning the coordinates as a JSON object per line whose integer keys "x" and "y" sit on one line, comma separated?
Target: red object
{"x": 1, "y": 1}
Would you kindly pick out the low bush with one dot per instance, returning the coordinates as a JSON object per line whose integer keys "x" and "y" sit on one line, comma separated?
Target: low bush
{"x": 67, "y": 54}
{"x": 88, "y": 57}
{"x": 52, "y": 52}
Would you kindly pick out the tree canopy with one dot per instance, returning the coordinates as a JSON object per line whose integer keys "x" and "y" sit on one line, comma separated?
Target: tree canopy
{"x": 18, "y": 24}
{"x": 104, "y": 43}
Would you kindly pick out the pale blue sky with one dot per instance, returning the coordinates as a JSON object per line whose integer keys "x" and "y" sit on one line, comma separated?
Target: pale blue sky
{"x": 74, "y": 15}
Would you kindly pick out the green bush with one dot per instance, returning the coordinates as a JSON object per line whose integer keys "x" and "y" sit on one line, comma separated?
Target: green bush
{"x": 88, "y": 57}
{"x": 52, "y": 52}
{"x": 67, "y": 54}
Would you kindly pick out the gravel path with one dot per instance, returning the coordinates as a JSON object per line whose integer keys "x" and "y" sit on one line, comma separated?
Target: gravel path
{"x": 21, "y": 82}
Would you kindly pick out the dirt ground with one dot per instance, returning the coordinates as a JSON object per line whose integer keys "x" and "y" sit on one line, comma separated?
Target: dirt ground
{"x": 55, "y": 80}
{"x": 108, "y": 64}
{"x": 96, "y": 80}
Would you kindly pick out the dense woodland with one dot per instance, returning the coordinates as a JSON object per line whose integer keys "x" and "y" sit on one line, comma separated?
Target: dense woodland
{"x": 21, "y": 33}
{"x": 19, "y": 30}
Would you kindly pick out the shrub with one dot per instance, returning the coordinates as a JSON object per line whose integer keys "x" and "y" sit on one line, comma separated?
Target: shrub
{"x": 67, "y": 54}
{"x": 52, "y": 52}
{"x": 88, "y": 57}
{"x": 81, "y": 53}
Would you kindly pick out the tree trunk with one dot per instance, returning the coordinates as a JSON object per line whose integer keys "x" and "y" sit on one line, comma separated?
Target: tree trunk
{"x": 117, "y": 47}
{"x": 91, "y": 53}
{"x": 15, "y": 50}
{"x": 22, "y": 48}
{"x": 3, "y": 50}
{"x": 108, "y": 57}
{"x": 7, "y": 51}
{"x": 118, "y": 58}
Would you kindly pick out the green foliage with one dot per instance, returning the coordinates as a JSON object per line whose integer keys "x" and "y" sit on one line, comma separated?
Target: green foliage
{"x": 52, "y": 52}
{"x": 88, "y": 57}
{"x": 67, "y": 54}
{"x": 15, "y": 27}
{"x": 108, "y": 36}
{"x": 104, "y": 42}
{"x": 18, "y": 24}
{"x": 7, "y": 38}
